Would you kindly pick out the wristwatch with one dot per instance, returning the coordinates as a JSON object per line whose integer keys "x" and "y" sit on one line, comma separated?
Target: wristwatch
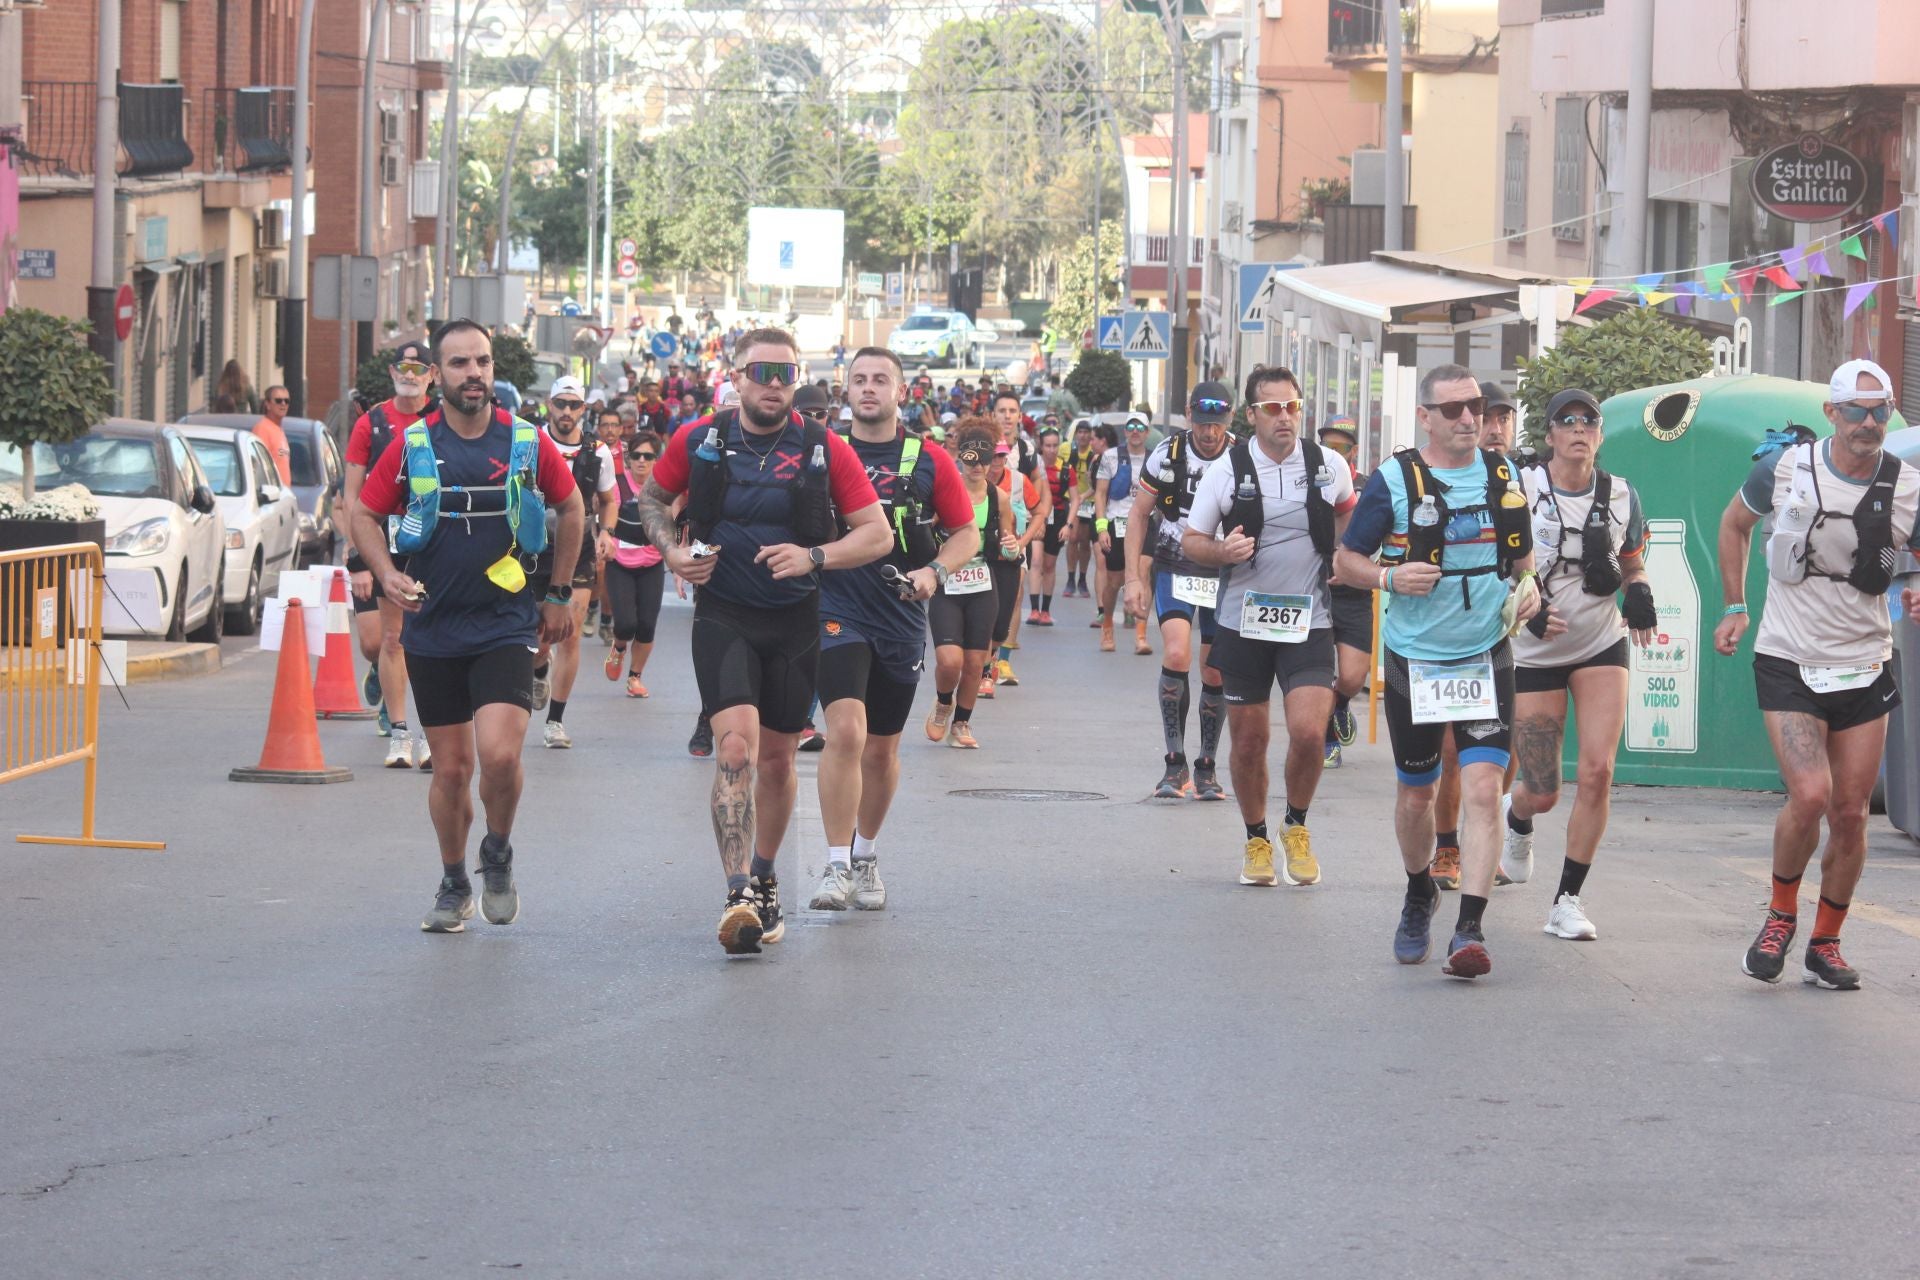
{"x": 940, "y": 573}
{"x": 819, "y": 557}
{"x": 560, "y": 592}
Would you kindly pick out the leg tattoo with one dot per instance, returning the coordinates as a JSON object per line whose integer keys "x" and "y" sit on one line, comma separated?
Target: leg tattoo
{"x": 733, "y": 815}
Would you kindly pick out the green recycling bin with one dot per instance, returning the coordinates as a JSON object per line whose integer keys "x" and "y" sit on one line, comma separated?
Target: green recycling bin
{"x": 1692, "y": 720}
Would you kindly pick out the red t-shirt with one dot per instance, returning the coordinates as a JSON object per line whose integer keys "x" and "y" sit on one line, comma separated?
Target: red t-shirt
{"x": 846, "y": 478}
{"x": 360, "y": 439}
{"x": 383, "y": 494}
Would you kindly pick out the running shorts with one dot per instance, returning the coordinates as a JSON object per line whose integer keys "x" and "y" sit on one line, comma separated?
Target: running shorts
{"x": 447, "y": 691}
{"x": 1196, "y": 615}
{"x": 1783, "y": 688}
{"x": 1352, "y": 610}
{"x": 372, "y": 602}
{"x": 964, "y": 621}
{"x": 1055, "y": 536}
{"x": 855, "y": 667}
{"x": 757, "y": 657}
{"x": 1249, "y": 669}
{"x": 1416, "y": 747}
{"x": 1116, "y": 554}
{"x": 1554, "y": 679}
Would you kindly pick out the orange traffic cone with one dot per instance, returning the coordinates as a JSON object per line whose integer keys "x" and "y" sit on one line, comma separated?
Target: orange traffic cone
{"x": 292, "y": 750}
{"x": 336, "y": 695}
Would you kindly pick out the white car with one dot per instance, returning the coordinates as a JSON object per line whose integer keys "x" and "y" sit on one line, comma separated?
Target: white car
{"x": 261, "y": 514}
{"x": 926, "y": 337}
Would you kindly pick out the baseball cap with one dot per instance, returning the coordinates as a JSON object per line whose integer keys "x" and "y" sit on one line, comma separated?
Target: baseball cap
{"x": 412, "y": 350}
{"x": 949, "y": 417}
{"x": 1497, "y": 397}
{"x": 1341, "y": 424}
{"x": 1572, "y": 395}
{"x": 811, "y": 397}
{"x": 1002, "y": 449}
{"x": 1845, "y": 385}
{"x": 564, "y": 386}
{"x": 936, "y": 434}
{"x": 1210, "y": 402}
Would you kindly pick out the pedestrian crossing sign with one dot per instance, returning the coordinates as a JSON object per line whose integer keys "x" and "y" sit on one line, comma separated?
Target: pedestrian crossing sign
{"x": 1147, "y": 335}
{"x": 1256, "y": 295}
{"x": 1109, "y": 330}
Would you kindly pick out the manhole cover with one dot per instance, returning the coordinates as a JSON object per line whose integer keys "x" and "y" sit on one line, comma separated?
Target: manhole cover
{"x": 1016, "y": 793}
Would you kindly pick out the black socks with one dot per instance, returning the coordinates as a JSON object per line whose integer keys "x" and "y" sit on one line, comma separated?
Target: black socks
{"x": 1173, "y": 695}
{"x": 1517, "y": 824}
{"x": 1420, "y": 886}
{"x": 1256, "y": 831}
{"x": 1213, "y": 715}
{"x": 557, "y": 710}
{"x": 1296, "y": 817}
{"x": 761, "y": 869}
{"x": 945, "y": 699}
{"x": 1471, "y": 909}
{"x": 1572, "y": 876}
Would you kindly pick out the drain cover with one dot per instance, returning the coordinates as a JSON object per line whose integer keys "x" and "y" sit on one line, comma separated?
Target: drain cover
{"x": 1031, "y": 797}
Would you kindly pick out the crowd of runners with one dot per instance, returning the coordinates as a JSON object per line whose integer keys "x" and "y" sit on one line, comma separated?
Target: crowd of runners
{"x": 834, "y": 536}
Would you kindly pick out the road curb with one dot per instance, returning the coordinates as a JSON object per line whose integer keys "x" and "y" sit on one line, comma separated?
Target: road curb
{"x": 171, "y": 662}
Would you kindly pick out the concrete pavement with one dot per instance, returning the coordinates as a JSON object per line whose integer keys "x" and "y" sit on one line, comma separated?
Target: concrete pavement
{"x": 1072, "y": 1045}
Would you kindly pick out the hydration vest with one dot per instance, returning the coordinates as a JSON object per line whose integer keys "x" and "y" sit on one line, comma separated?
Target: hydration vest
{"x": 585, "y": 467}
{"x": 709, "y": 476}
{"x": 1249, "y": 510}
{"x": 627, "y": 526}
{"x": 1790, "y": 557}
{"x": 1176, "y": 499}
{"x": 1599, "y": 553}
{"x": 1427, "y": 540}
{"x": 525, "y": 513}
{"x": 1121, "y": 486}
{"x": 915, "y": 543}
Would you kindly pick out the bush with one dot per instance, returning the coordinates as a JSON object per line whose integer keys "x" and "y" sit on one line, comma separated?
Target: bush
{"x": 1101, "y": 380}
{"x": 1635, "y": 349}
{"x": 57, "y": 388}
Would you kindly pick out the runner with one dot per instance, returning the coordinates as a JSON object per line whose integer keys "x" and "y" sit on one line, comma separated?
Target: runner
{"x": 961, "y": 616}
{"x": 1112, "y": 500}
{"x": 593, "y": 473}
{"x": 1456, "y": 527}
{"x": 1035, "y": 507}
{"x": 471, "y": 483}
{"x": 1083, "y": 460}
{"x": 1820, "y": 661}
{"x": 1588, "y": 539}
{"x": 636, "y": 574}
{"x": 873, "y": 641}
{"x": 1182, "y": 591}
{"x": 763, "y": 490}
{"x": 1352, "y": 624}
{"x": 376, "y": 618}
{"x": 1022, "y": 496}
{"x": 1268, "y": 516}
{"x": 1044, "y": 557}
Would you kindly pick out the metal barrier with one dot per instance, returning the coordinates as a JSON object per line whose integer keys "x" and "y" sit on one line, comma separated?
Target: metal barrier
{"x": 50, "y": 608}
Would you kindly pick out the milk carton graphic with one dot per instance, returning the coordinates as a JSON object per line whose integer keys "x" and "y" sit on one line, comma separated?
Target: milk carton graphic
{"x": 1663, "y": 684}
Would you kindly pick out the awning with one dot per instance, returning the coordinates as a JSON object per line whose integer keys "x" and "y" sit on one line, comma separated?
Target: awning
{"x": 1369, "y": 299}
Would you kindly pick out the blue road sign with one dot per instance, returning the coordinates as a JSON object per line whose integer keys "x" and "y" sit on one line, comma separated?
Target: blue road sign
{"x": 1147, "y": 335}
{"x": 896, "y": 288}
{"x": 664, "y": 345}
{"x": 1108, "y": 330}
{"x": 1256, "y": 290}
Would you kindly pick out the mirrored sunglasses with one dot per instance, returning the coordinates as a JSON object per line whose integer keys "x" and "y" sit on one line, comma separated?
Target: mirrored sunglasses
{"x": 772, "y": 373}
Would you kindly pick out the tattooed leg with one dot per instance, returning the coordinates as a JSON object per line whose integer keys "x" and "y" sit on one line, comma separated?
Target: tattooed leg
{"x": 1539, "y": 726}
{"x": 736, "y": 733}
{"x": 1800, "y": 746}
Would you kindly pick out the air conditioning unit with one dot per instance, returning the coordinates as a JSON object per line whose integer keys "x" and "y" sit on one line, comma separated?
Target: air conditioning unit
{"x": 389, "y": 125}
{"x": 270, "y": 278}
{"x": 1910, "y": 147}
{"x": 1231, "y": 217}
{"x": 1370, "y": 175}
{"x": 273, "y": 229}
{"x": 392, "y": 167}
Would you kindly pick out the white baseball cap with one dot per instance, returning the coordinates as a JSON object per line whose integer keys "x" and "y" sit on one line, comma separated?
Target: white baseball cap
{"x": 1845, "y": 386}
{"x": 561, "y": 386}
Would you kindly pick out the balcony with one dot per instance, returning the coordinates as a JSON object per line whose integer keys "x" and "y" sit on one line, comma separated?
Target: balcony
{"x": 1354, "y": 28}
{"x": 244, "y": 131}
{"x": 1157, "y": 250}
{"x": 57, "y": 130}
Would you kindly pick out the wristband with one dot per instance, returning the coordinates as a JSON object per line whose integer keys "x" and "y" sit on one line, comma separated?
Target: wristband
{"x": 556, "y": 600}
{"x": 1386, "y": 579}
{"x": 1733, "y": 609}
{"x": 1100, "y": 525}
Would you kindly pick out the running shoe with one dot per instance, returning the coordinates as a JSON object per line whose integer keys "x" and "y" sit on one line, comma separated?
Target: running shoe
{"x": 937, "y": 720}
{"x": 606, "y": 631}
{"x": 1140, "y": 644}
{"x": 1300, "y": 867}
{"x": 1256, "y": 866}
{"x": 811, "y": 739}
{"x": 539, "y": 691}
{"x": 1173, "y": 784}
{"x": 1033, "y": 617}
{"x": 1345, "y": 727}
{"x": 634, "y": 688}
{"x": 1099, "y": 620}
{"x": 766, "y": 900}
{"x": 370, "y": 686}
{"x": 452, "y": 907}
{"x": 700, "y": 745}
{"x": 556, "y": 736}
{"x": 499, "y": 900}
{"x": 962, "y": 736}
{"x": 1332, "y": 760}
{"x": 616, "y": 659}
{"x": 740, "y": 924}
{"x": 1106, "y": 635}
{"x": 986, "y": 686}
{"x": 1767, "y": 957}
{"x": 400, "y": 751}
{"x": 1446, "y": 866}
{"x": 1045, "y": 619}
{"x": 1825, "y": 968}
{"x": 422, "y": 754}
{"x": 383, "y": 723}
{"x": 1413, "y": 940}
{"x": 869, "y": 893}
{"x": 1516, "y": 850}
{"x": 1467, "y": 957}
{"x": 1568, "y": 920}
{"x": 1003, "y": 672}
{"x": 1206, "y": 785}
{"x": 836, "y": 886}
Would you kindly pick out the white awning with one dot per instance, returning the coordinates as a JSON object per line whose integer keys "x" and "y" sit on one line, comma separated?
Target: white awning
{"x": 1367, "y": 299}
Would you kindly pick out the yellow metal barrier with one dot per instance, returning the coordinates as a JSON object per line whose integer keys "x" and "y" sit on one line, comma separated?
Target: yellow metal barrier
{"x": 50, "y": 605}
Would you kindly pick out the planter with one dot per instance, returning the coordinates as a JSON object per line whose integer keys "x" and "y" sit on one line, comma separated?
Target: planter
{"x": 21, "y": 535}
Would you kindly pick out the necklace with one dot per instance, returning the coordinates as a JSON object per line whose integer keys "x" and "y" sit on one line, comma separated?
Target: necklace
{"x": 746, "y": 438}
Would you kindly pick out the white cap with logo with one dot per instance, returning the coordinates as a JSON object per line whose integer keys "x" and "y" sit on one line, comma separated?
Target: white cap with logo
{"x": 566, "y": 386}
{"x": 1845, "y": 386}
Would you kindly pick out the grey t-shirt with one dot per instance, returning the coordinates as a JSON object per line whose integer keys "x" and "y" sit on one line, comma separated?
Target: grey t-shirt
{"x": 1285, "y": 562}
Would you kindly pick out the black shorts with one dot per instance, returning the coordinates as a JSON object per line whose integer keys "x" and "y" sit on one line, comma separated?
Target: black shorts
{"x": 1250, "y": 668}
{"x": 447, "y": 691}
{"x": 371, "y": 603}
{"x": 1782, "y": 688}
{"x": 1554, "y": 679}
{"x": 965, "y": 621}
{"x": 1055, "y": 536}
{"x": 761, "y": 658}
{"x": 1117, "y": 555}
{"x": 1416, "y": 747}
{"x": 1006, "y": 597}
{"x": 853, "y": 669}
{"x": 1352, "y": 611}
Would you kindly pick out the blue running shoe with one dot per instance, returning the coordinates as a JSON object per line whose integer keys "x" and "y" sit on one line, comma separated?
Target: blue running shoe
{"x": 1467, "y": 957}
{"x": 1412, "y": 942}
{"x": 370, "y": 686}
{"x": 383, "y": 725}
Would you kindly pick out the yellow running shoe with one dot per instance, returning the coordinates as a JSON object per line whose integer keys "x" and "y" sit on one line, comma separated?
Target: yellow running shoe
{"x": 1258, "y": 866}
{"x": 1301, "y": 868}
{"x": 1003, "y": 672}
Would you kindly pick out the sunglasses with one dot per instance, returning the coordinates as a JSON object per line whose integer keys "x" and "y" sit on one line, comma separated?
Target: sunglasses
{"x": 818, "y": 415}
{"x": 279, "y": 400}
{"x": 1452, "y": 409}
{"x": 642, "y": 457}
{"x": 568, "y": 406}
{"x": 772, "y": 373}
{"x": 1577, "y": 420}
{"x": 1858, "y": 413}
{"x": 1275, "y": 407}
{"x": 1210, "y": 405}
{"x": 412, "y": 368}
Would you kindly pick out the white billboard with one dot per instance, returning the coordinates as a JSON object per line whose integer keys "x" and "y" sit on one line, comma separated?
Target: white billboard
{"x": 788, "y": 247}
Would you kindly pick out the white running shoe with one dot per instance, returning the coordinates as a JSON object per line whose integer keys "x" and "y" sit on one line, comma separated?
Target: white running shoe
{"x": 869, "y": 894}
{"x": 556, "y": 734}
{"x": 836, "y": 884}
{"x": 400, "y": 750}
{"x": 422, "y": 754}
{"x": 1516, "y": 850}
{"x": 1568, "y": 920}
{"x": 540, "y": 689}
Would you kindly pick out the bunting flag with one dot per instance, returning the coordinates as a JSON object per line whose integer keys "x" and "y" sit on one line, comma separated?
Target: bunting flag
{"x": 1857, "y": 294}
{"x": 1779, "y": 298}
{"x": 1887, "y": 224}
{"x": 1581, "y": 283}
{"x": 1684, "y": 305}
{"x": 1594, "y": 298}
{"x": 1781, "y": 278}
{"x": 1744, "y": 278}
{"x": 1817, "y": 263}
{"x": 1790, "y": 258}
{"x": 1852, "y": 247}
{"x": 1736, "y": 305}
{"x": 1715, "y": 278}
{"x": 1650, "y": 279}
{"x": 1655, "y": 297}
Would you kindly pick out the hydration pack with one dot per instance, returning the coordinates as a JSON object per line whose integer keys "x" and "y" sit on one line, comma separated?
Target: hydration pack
{"x": 1249, "y": 510}
{"x": 1790, "y": 556}
{"x": 1428, "y": 515}
{"x": 1599, "y": 556}
{"x": 1173, "y": 502}
{"x": 525, "y": 513}
{"x": 710, "y": 476}
{"x": 915, "y": 543}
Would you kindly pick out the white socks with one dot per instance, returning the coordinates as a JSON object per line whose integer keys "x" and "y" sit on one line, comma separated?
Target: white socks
{"x": 838, "y": 853}
{"x": 863, "y": 849}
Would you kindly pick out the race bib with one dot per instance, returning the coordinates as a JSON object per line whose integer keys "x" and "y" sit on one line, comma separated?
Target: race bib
{"x": 969, "y": 579}
{"x": 1444, "y": 691}
{"x": 393, "y": 535}
{"x": 1280, "y": 619}
{"x": 1118, "y": 527}
{"x": 1189, "y": 588}
{"x": 1856, "y": 675}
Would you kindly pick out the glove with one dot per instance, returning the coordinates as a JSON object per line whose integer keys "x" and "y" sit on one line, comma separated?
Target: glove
{"x": 1638, "y": 608}
{"x": 1509, "y": 612}
{"x": 1538, "y": 624}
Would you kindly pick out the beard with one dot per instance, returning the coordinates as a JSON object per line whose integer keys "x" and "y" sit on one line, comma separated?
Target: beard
{"x": 763, "y": 419}
{"x": 471, "y": 397}
{"x": 879, "y": 417}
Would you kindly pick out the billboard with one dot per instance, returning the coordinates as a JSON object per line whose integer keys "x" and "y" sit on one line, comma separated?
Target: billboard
{"x": 788, "y": 247}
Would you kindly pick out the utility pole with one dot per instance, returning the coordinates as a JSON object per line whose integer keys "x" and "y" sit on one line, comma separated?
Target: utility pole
{"x": 1633, "y": 227}
{"x": 293, "y": 308}
{"x": 1392, "y": 134}
{"x": 1174, "y": 392}
{"x": 369, "y": 171}
{"x": 593, "y": 142}
{"x": 606, "y": 213}
{"x": 105, "y": 281}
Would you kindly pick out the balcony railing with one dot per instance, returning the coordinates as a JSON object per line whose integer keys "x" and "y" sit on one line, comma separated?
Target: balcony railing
{"x": 57, "y": 138}
{"x": 152, "y": 129}
{"x": 244, "y": 131}
{"x": 1157, "y": 250}
{"x": 1354, "y": 27}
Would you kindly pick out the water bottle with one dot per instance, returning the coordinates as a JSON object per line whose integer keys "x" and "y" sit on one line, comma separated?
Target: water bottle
{"x": 1247, "y": 491}
{"x": 709, "y": 450}
{"x": 819, "y": 462}
{"x": 1427, "y": 514}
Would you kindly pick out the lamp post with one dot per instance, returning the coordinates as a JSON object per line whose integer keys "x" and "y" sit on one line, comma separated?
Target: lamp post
{"x": 293, "y": 313}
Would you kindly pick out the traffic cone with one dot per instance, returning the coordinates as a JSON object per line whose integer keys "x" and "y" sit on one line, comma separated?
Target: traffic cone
{"x": 336, "y": 694}
{"x": 292, "y": 750}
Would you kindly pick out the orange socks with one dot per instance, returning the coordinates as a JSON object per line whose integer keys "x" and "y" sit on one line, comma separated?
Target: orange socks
{"x": 1829, "y": 918}
{"x": 1786, "y": 896}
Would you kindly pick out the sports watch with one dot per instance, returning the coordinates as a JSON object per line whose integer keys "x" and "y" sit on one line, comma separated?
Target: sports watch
{"x": 819, "y": 557}
{"x": 560, "y": 592}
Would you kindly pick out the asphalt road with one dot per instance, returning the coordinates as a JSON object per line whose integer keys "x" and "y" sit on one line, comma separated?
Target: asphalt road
{"x": 1072, "y": 1046}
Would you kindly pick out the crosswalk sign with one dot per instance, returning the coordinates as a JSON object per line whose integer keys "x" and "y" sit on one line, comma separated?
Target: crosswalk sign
{"x": 1109, "y": 329}
{"x": 1257, "y": 285}
{"x": 1147, "y": 335}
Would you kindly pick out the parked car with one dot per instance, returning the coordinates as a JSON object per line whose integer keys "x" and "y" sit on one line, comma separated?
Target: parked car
{"x": 931, "y": 336}
{"x": 319, "y": 479}
{"x": 166, "y": 541}
{"x": 262, "y": 517}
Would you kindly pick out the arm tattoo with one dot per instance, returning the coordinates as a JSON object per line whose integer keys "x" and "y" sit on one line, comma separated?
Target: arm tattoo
{"x": 1536, "y": 746}
{"x": 733, "y": 815}
{"x": 656, "y": 514}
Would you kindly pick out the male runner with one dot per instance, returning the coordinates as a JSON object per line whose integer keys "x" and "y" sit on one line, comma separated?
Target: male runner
{"x": 376, "y": 618}
{"x": 1455, "y": 524}
{"x": 1119, "y": 471}
{"x": 1268, "y": 515}
{"x": 1352, "y": 619}
{"x": 1024, "y": 460}
{"x": 472, "y": 619}
{"x": 763, "y": 491}
{"x": 592, "y": 465}
{"x": 873, "y": 641}
{"x": 1046, "y": 557}
{"x": 1820, "y": 661}
{"x": 1182, "y": 591}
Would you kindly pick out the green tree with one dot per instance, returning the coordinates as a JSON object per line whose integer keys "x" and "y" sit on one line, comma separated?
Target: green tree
{"x": 1101, "y": 381}
{"x": 1089, "y": 283}
{"x": 1637, "y": 348}
{"x": 57, "y": 388}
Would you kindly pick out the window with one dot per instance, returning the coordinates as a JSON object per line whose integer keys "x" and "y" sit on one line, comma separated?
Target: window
{"x": 265, "y": 473}
{"x": 1673, "y": 233}
{"x": 225, "y": 472}
{"x": 1569, "y": 168}
{"x": 1514, "y": 213}
{"x": 170, "y": 42}
{"x": 1571, "y": 8}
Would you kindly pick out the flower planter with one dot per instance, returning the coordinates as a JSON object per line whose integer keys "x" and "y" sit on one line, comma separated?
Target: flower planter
{"x": 21, "y": 535}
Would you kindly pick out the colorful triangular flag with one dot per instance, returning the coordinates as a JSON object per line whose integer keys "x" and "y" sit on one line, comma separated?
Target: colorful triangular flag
{"x": 1655, "y": 297}
{"x": 1817, "y": 263}
{"x": 1650, "y": 279}
{"x": 1852, "y": 247}
{"x": 1715, "y": 277}
{"x": 1791, "y": 258}
{"x": 1594, "y": 298}
{"x": 1581, "y": 283}
{"x": 1780, "y": 277}
{"x": 1684, "y": 305}
{"x": 1744, "y": 278}
{"x": 1857, "y": 294}
{"x": 1779, "y": 298}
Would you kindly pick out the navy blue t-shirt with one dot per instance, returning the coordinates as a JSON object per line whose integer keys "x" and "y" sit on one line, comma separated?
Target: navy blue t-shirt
{"x": 858, "y": 601}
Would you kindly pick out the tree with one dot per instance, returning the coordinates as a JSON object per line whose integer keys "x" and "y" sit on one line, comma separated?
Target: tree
{"x": 57, "y": 388}
{"x": 1637, "y": 348}
{"x": 1089, "y": 283}
{"x": 1101, "y": 380}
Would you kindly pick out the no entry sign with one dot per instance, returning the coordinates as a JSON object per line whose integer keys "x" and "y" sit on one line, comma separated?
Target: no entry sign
{"x": 123, "y": 312}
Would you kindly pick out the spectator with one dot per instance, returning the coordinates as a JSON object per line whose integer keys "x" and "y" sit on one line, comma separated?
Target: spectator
{"x": 234, "y": 392}
{"x": 273, "y": 411}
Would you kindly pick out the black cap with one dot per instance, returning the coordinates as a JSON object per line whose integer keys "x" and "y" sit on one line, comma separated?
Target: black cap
{"x": 1497, "y": 397}
{"x": 811, "y": 396}
{"x": 412, "y": 350}
{"x": 1572, "y": 395}
{"x": 1216, "y": 391}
